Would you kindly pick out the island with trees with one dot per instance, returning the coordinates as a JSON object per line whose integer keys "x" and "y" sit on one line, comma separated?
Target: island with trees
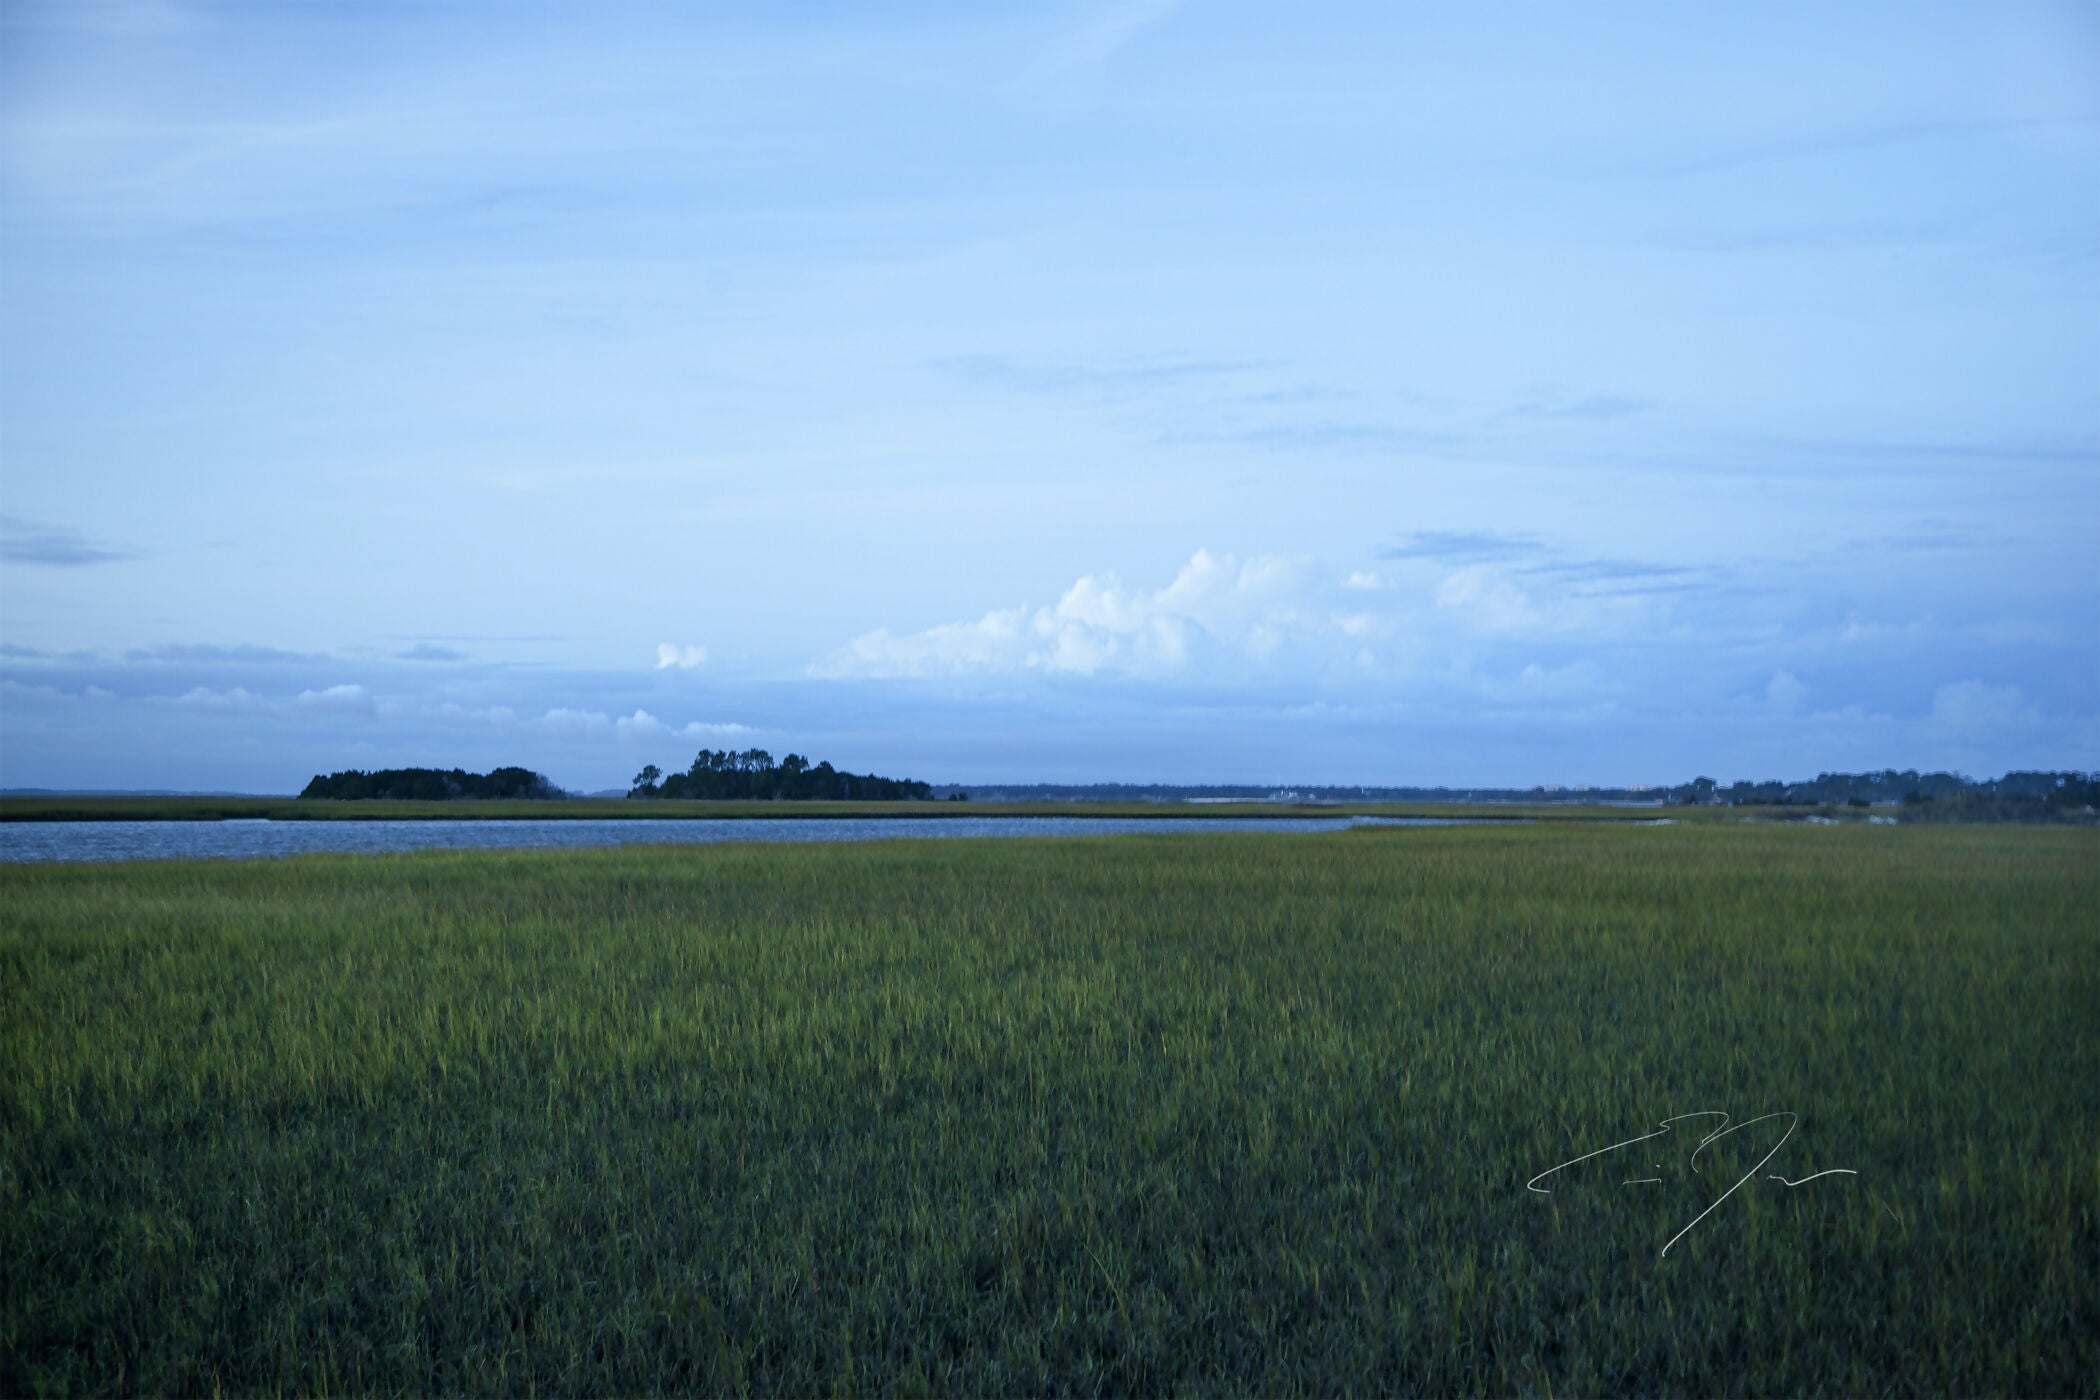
{"x": 753, "y": 775}
{"x": 433, "y": 785}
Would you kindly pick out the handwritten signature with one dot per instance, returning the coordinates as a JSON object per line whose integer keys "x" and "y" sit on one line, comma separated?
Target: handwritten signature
{"x": 1720, "y": 1130}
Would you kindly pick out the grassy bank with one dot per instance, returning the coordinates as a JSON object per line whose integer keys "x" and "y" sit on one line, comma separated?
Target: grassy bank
{"x": 1216, "y": 1112}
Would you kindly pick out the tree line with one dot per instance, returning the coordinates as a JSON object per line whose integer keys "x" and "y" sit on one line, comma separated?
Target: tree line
{"x": 2018, "y": 796}
{"x": 752, "y": 774}
{"x": 432, "y": 784}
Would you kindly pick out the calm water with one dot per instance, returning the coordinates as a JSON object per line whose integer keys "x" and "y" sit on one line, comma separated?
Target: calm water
{"x": 243, "y": 840}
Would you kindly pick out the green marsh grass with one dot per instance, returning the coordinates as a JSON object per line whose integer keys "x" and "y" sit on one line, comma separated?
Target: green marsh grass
{"x": 1214, "y": 1112}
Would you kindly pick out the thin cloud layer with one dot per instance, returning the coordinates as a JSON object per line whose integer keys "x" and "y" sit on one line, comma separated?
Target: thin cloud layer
{"x": 53, "y": 546}
{"x": 1466, "y": 546}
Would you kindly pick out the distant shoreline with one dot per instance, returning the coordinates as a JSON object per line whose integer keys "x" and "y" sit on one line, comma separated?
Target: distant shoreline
{"x": 89, "y": 809}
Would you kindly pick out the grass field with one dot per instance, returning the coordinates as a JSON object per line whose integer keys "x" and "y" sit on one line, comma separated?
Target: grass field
{"x": 1215, "y": 1112}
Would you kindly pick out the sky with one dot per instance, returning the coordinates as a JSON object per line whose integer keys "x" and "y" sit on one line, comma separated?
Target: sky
{"x": 1070, "y": 392}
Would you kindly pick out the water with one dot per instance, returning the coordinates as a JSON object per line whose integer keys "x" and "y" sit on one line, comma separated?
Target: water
{"x": 257, "y": 838}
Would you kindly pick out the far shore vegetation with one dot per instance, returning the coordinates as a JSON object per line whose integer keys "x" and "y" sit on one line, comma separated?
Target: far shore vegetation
{"x": 747, "y": 785}
{"x": 433, "y": 785}
{"x": 752, "y": 775}
{"x": 715, "y": 775}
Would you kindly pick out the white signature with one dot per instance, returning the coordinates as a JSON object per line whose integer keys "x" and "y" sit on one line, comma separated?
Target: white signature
{"x": 1721, "y": 1130}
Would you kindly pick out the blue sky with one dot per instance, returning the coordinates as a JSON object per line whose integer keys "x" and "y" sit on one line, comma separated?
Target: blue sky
{"x": 1148, "y": 391}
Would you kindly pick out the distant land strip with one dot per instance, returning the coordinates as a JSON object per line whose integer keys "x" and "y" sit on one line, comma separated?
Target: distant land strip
{"x": 1903, "y": 795}
{"x": 90, "y": 807}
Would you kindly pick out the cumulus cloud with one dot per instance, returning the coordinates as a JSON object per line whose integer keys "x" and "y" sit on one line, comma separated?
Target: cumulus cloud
{"x": 1215, "y": 606}
{"x": 639, "y": 725}
{"x": 203, "y": 697}
{"x": 994, "y": 641}
{"x": 641, "y": 722}
{"x": 334, "y": 697}
{"x": 685, "y": 658}
{"x": 1488, "y": 599}
{"x": 643, "y": 725}
{"x": 53, "y": 693}
{"x": 1222, "y": 618}
{"x": 341, "y": 697}
{"x": 568, "y": 721}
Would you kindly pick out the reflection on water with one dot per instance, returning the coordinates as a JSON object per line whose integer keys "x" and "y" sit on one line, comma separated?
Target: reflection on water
{"x": 251, "y": 838}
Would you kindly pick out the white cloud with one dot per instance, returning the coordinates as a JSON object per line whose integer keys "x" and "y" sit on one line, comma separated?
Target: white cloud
{"x": 1484, "y": 599}
{"x": 343, "y": 697}
{"x": 685, "y": 658}
{"x": 992, "y": 642}
{"x": 334, "y": 697}
{"x": 568, "y": 721}
{"x": 205, "y": 698}
{"x": 643, "y": 725}
{"x": 1487, "y": 599}
{"x": 1221, "y": 618}
{"x": 639, "y": 725}
{"x": 1215, "y": 606}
